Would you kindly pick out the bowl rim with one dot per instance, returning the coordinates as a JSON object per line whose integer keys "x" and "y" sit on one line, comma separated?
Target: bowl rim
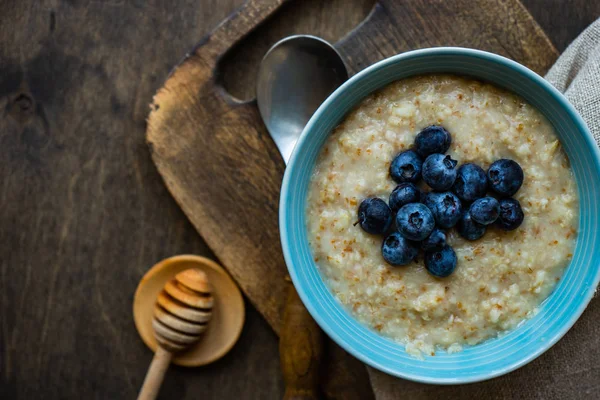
{"x": 324, "y": 108}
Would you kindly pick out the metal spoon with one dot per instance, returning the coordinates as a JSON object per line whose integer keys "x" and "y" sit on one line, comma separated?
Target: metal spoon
{"x": 295, "y": 77}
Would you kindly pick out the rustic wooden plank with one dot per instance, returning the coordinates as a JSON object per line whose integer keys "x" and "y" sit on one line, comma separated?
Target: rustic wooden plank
{"x": 563, "y": 20}
{"x": 84, "y": 213}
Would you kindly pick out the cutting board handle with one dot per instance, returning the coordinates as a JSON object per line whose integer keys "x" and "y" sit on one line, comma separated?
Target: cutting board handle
{"x": 235, "y": 27}
{"x": 300, "y": 350}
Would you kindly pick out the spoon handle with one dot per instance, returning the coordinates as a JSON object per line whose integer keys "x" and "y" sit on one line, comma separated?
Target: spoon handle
{"x": 155, "y": 374}
{"x": 300, "y": 350}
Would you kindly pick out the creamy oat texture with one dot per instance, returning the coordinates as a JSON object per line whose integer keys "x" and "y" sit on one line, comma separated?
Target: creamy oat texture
{"x": 500, "y": 279}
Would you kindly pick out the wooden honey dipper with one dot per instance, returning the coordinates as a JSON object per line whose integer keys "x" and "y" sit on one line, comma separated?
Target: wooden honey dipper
{"x": 181, "y": 314}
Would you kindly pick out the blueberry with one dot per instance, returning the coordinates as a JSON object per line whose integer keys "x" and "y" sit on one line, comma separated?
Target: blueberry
{"x": 374, "y": 215}
{"x": 415, "y": 221}
{"x": 439, "y": 171}
{"x": 435, "y": 241}
{"x": 485, "y": 211}
{"x": 505, "y": 177}
{"x": 445, "y": 207}
{"x": 511, "y": 215}
{"x": 470, "y": 229}
{"x": 406, "y": 167}
{"x": 470, "y": 183}
{"x": 397, "y": 250}
{"x": 441, "y": 263}
{"x": 404, "y": 193}
{"x": 433, "y": 139}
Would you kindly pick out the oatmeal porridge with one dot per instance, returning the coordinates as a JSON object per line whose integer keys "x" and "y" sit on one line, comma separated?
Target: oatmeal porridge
{"x": 499, "y": 279}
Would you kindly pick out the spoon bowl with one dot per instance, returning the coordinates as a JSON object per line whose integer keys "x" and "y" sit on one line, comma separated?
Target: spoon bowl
{"x": 296, "y": 75}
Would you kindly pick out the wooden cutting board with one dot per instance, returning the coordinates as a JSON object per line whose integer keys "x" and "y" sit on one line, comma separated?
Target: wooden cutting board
{"x": 218, "y": 160}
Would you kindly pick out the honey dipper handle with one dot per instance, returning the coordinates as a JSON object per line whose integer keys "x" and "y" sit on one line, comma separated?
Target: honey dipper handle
{"x": 300, "y": 350}
{"x": 155, "y": 374}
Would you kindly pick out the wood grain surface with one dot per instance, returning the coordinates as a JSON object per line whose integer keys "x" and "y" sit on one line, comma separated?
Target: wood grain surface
{"x": 84, "y": 213}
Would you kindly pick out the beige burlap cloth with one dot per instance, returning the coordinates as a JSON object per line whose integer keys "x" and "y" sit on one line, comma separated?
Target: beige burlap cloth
{"x": 570, "y": 369}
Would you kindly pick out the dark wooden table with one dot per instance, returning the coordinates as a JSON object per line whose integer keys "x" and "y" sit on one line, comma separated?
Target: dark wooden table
{"x": 83, "y": 212}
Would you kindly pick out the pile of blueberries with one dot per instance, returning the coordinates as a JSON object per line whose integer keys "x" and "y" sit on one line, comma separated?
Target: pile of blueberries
{"x": 458, "y": 198}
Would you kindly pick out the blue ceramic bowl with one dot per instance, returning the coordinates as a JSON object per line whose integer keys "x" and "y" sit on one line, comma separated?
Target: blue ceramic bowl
{"x": 491, "y": 358}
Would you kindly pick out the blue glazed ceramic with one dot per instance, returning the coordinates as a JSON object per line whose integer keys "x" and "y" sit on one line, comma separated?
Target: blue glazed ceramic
{"x": 491, "y": 358}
